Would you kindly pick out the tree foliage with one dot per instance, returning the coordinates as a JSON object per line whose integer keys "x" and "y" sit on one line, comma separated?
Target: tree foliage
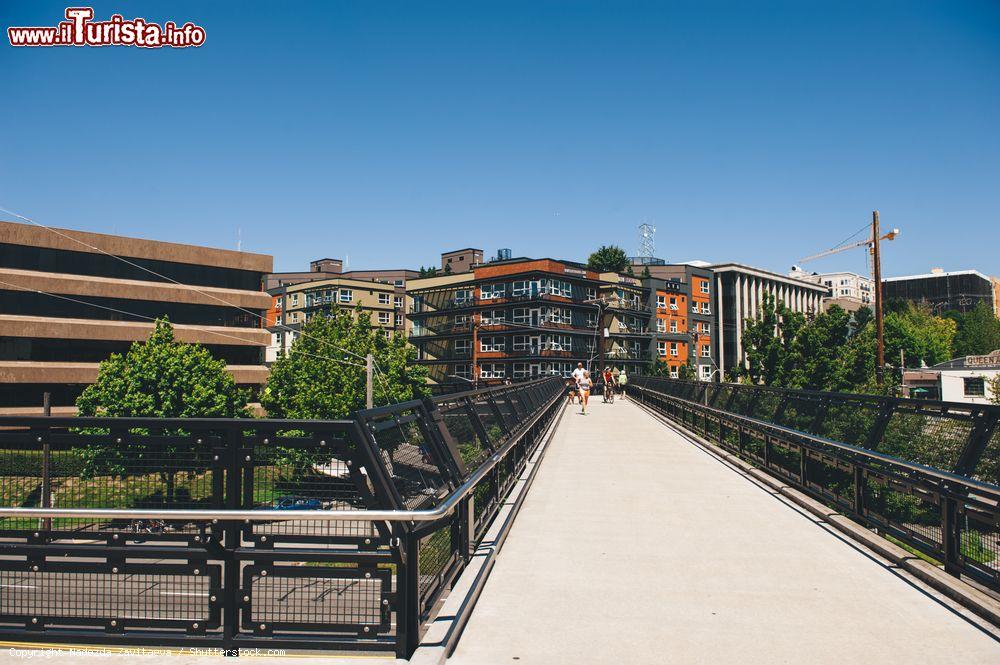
{"x": 609, "y": 258}
{"x": 163, "y": 378}
{"x": 836, "y": 350}
{"x": 158, "y": 378}
{"x": 994, "y": 387}
{"x": 323, "y": 374}
{"x": 978, "y": 331}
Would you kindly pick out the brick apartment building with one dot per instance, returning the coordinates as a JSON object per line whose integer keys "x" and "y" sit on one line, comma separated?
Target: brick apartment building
{"x": 65, "y": 307}
{"x": 519, "y": 318}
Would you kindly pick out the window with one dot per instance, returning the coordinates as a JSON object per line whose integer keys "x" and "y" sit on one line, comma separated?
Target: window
{"x": 398, "y": 283}
{"x": 828, "y": 282}
{"x": 520, "y": 315}
{"x": 279, "y": 303}
{"x": 492, "y": 344}
{"x": 673, "y": 326}
{"x": 521, "y": 342}
{"x": 463, "y": 347}
{"x": 383, "y": 318}
{"x": 492, "y": 291}
{"x": 520, "y": 370}
{"x": 673, "y": 348}
{"x": 703, "y": 286}
{"x": 706, "y": 371}
{"x": 661, "y": 325}
{"x": 463, "y": 371}
{"x": 397, "y": 302}
{"x": 705, "y": 353}
{"x": 346, "y": 295}
{"x": 388, "y": 335}
{"x": 661, "y": 302}
{"x": 591, "y": 293}
{"x": 522, "y": 288}
{"x": 383, "y": 298}
{"x": 591, "y": 320}
{"x": 673, "y": 304}
{"x": 706, "y": 327}
{"x": 674, "y": 373}
{"x": 294, "y": 300}
{"x": 461, "y": 321}
{"x": 975, "y": 386}
{"x": 705, "y": 309}
{"x": 496, "y": 317}
{"x": 661, "y": 348}
{"x": 463, "y": 296}
{"x": 492, "y": 371}
{"x": 277, "y": 320}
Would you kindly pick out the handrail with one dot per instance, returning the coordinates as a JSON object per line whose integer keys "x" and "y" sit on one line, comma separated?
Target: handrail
{"x": 270, "y": 515}
{"x": 864, "y": 452}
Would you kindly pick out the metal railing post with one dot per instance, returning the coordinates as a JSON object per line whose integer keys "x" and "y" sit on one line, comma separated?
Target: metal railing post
{"x": 408, "y": 596}
{"x": 951, "y": 535}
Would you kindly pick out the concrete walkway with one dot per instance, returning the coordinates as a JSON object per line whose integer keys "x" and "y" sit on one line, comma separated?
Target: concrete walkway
{"x": 636, "y": 546}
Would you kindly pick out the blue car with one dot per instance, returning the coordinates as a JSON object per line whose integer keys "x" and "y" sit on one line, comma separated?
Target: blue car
{"x": 296, "y": 503}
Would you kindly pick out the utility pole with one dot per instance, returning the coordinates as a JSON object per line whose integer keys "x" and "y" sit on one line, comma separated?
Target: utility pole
{"x": 369, "y": 370}
{"x": 46, "y": 464}
{"x": 879, "y": 320}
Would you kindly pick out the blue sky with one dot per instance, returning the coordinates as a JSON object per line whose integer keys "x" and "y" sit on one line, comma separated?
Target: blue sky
{"x": 388, "y": 132}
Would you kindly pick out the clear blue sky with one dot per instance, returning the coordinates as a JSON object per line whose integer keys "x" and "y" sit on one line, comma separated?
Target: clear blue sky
{"x": 387, "y": 132}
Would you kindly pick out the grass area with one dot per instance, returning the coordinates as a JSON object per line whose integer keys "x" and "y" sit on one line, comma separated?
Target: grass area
{"x": 915, "y": 552}
{"x": 140, "y": 491}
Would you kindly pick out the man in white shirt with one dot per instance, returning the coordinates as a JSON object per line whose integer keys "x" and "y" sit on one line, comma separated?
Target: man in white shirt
{"x": 578, "y": 373}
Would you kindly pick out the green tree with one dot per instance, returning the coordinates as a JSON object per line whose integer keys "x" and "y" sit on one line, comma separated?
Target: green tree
{"x": 609, "y": 258}
{"x": 323, "y": 374}
{"x": 978, "y": 331}
{"x": 770, "y": 343}
{"x": 163, "y": 378}
{"x": 818, "y": 350}
{"x": 645, "y": 272}
{"x": 994, "y": 387}
{"x": 921, "y": 336}
{"x": 158, "y": 378}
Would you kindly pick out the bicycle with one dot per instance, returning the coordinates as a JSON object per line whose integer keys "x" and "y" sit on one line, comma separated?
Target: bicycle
{"x": 609, "y": 393}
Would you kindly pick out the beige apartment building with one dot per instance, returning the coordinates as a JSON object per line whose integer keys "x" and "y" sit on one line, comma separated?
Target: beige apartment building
{"x": 293, "y": 305}
{"x": 67, "y": 303}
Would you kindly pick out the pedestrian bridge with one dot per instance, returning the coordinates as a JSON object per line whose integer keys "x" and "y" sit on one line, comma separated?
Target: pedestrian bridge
{"x": 687, "y": 523}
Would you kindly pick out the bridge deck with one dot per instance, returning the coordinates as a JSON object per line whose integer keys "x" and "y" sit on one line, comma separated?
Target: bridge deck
{"x": 636, "y": 546}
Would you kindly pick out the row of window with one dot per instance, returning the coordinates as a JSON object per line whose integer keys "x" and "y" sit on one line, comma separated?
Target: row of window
{"x": 705, "y": 371}
{"x": 314, "y": 298}
{"x": 523, "y": 288}
{"x": 662, "y": 349}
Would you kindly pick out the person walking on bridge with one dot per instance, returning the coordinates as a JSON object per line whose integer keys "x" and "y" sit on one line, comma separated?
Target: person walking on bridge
{"x": 584, "y": 385}
{"x": 622, "y": 381}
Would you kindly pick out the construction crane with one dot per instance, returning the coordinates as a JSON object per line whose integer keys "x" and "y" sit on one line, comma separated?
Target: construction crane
{"x": 872, "y": 242}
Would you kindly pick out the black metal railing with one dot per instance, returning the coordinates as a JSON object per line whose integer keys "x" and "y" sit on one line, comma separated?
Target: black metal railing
{"x": 173, "y": 577}
{"x": 924, "y": 473}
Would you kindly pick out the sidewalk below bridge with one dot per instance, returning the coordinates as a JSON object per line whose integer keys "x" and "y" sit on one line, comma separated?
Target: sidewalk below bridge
{"x": 635, "y": 545}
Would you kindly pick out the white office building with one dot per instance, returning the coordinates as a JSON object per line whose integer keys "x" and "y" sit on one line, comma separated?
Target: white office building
{"x": 739, "y": 290}
{"x": 848, "y": 289}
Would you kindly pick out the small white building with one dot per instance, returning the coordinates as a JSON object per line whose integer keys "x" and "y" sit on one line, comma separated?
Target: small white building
{"x": 848, "y": 289}
{"x": 960, "y": 380}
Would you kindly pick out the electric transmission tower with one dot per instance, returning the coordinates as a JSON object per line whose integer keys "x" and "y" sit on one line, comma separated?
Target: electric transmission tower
{"x": 647, "y": 241}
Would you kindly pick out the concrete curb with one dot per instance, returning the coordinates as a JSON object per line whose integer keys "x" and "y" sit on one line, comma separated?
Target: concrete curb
{"x": 443, "y": 633}
{"x": 961, "y": 592}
